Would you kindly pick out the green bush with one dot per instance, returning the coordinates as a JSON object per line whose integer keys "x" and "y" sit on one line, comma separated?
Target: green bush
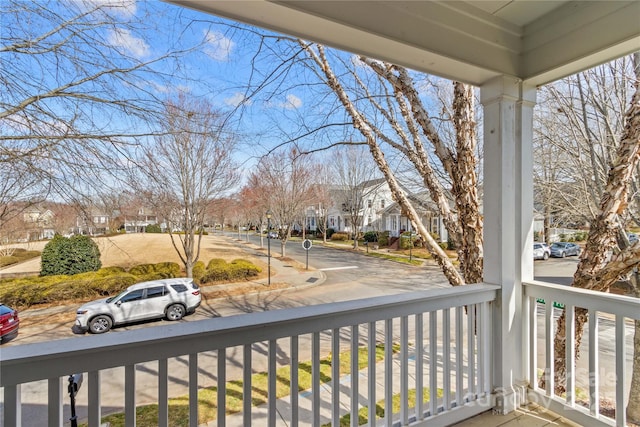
{"x": 218, "y": 270}
{"x": 77, "y": 254}
{"x": 153, "y": 228}
{"x": 199, "y": 270}
{"x": 371, "y": 236}
{"x": 330, "y": 232}
{"x": 25, "y": 292}
{"x": 407, "y": 240}
{"x": 161, "y": 270}
{"x": 383, "y": 238}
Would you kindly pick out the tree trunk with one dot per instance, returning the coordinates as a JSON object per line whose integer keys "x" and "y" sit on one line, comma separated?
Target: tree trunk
{"x": 602, "y": 262}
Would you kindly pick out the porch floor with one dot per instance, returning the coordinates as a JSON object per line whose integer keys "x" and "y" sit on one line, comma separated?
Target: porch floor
{"x": 531, "y": 415}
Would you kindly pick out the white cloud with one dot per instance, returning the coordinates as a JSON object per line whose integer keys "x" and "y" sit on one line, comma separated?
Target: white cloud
{"x": 124, "y": 39}
{"x": 218, "y": 46}
{"x": 237, "y": 99}
{"x": 293, "y": 102}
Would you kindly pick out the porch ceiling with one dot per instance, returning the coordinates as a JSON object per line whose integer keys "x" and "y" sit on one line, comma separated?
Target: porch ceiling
{"x": 470, "y": 41}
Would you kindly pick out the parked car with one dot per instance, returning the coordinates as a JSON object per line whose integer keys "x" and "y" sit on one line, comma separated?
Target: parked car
{"x": 9, "y": 323}
{"x": 541, "y": 251}
{"x": 633, "y": 238}
{"x": 272, "y": 235}
{"x": 563, "y": 249}
{"x": 168, "y": 298}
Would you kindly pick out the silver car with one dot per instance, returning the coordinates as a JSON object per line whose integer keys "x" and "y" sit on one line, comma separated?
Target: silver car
{"x": 168, "y": 298}
{"x": 563, "y": 249}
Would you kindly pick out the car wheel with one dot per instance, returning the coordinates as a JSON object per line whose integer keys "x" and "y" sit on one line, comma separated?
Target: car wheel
{"x": 545, "y": 256}
{"x": 100, "y": 324}
{"x": 175, "y": 312}
{"x": 563, "y": 254}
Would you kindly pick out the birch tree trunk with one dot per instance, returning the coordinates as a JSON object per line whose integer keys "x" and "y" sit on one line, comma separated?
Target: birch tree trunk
{"x": 369, "y": 133}
{"x": 601, "y": 263}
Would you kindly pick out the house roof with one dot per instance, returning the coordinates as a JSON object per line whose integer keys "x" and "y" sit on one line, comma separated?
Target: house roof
{"x": 468, "y": 41}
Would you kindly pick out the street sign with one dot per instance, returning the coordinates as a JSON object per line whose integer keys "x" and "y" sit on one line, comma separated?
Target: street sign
{"x": 306, "y": 244}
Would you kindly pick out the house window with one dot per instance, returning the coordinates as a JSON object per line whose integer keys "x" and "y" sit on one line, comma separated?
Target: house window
{"x": 369, "y": 203}
{"x": 381, "y": 204}
{"x": 369, "y": 220}
{"x": 394, "y": 222}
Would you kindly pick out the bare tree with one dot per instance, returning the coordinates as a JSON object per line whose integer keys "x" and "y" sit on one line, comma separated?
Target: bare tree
{"x": 82, "y": 85}
{"x": 186, "y": 170}
{"x": 602, "y": 145}
{"x": 288, "y": 179}
{"x": 355, "y": 185}
{"x": 405, "y": 124}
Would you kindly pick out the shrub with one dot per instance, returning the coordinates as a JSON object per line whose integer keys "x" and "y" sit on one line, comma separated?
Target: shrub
{"x": 219, "y": 270}
{"x": 371, "y": 236}
{"x": 407, "y": 240}
{"x": 383, "y": 238}
{"x": 162, "y": 270}
{"x": 340, "y": 236}
{"x": 153, "y": 228}
{"x": 77, "y": 254}
{"x": 199, "y": 270}
{"x": 330, "y": 232}
{"x": 8, "y": 260}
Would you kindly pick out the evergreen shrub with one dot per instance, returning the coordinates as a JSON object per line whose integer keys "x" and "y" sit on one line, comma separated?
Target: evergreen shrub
{"x": 77, "y": 254}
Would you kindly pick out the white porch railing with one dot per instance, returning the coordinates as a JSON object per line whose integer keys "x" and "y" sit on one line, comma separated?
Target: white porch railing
{"x": 431, "y": 330}
{"x": 602, "y": 371}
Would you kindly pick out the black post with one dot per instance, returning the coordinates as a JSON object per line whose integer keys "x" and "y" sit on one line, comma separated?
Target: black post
{"x": 269, "y": 249}
{"x": 72, "y": 394}
{"x": 307, "y": 251}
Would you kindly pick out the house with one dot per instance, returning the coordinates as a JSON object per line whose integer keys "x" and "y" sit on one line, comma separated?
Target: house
{"x": 506, "y": 49}
{"x": 136, "y": 219}
{"x": 94, "y": 222}
{"x": 362, "y": 203}
{"x": 38, "y": 223}
{"x": 395, "y": 221}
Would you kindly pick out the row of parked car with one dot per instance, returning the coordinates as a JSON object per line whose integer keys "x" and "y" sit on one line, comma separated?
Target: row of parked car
{"x": 556, "y": 250}
{"x": 564, "y": 249}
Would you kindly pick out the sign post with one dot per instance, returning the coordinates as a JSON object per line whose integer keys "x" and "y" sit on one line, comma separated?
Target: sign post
{"x": 306, "y": 245}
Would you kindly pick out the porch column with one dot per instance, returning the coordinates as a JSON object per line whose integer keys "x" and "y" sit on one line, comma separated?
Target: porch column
{"x": 508, "y": 227}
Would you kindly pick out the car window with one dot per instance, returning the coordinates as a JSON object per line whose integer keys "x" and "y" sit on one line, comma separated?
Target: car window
{"x": 179, "y": 288}
{"x": 156, "y": 291}
{"x": 132, "y": 296}
{"x": 5, "y": 310}
{"x": 537, "y": 246}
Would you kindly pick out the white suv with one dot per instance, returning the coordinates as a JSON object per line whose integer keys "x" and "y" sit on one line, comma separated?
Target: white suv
{"x": 170, "y": 298}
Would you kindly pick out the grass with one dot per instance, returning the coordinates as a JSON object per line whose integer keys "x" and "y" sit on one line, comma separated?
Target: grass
{"x": 147, "y": 415}
{"x": 16, "y": 256}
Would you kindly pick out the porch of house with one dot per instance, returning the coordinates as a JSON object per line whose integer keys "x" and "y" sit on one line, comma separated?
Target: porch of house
{"x": 375, "y": 358}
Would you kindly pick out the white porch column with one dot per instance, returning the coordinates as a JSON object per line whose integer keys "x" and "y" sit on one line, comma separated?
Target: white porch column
{"x": 508, "y": 226}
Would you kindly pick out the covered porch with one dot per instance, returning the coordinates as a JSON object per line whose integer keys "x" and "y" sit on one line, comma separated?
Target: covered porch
{"x": 432, "y": 358}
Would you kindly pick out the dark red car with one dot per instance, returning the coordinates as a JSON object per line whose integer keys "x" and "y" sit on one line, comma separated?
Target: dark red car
{"x": 9, "y": 323}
